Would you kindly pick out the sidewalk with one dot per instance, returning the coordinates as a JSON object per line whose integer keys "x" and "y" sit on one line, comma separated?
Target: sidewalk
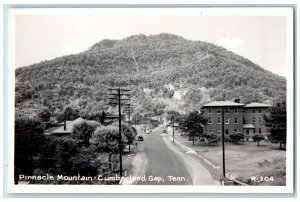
{"x": 187, "y": 146}
{"x": 138, "y": 162}
{"x": 198, "y": 172}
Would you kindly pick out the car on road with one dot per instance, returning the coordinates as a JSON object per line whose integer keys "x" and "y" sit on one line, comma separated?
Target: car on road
{"x": 140, "y": 138}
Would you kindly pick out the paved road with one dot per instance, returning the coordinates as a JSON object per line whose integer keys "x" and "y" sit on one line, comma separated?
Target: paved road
{"x": 162, "y": 162}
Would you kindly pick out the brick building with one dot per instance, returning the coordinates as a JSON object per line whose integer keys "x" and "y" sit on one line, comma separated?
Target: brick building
{"x": 246, "y": 119}
{"x": 253, "y": 119}
{"x": 233, "y": 116}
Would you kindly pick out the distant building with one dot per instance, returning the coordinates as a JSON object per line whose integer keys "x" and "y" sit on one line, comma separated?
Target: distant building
{"x": 246, "y": 119}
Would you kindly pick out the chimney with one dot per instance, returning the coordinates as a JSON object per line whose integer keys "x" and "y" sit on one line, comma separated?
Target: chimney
{"x": 237, "y": 100}
{"x": 65, "y": 125}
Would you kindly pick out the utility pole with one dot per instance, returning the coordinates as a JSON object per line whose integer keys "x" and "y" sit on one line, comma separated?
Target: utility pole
{"x": 128, "y": 108}
{"x": 173, "y": 126}
{"x": 223, "y": 146}
{"x": 117, "y": 96}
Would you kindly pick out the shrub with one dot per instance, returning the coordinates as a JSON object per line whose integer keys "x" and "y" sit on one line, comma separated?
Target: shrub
{"x": 236, "y": 137}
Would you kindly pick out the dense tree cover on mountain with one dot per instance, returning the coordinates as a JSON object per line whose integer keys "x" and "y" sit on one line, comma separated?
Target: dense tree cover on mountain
{"x": 147, "y": 65}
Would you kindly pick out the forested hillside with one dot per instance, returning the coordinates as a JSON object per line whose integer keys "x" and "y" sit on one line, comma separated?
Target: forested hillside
{"x": 164, "y": 72}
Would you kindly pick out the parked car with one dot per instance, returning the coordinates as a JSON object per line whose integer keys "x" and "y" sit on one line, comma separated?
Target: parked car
{"x": 164, "y": 131}
{"x": 140, "y": 138}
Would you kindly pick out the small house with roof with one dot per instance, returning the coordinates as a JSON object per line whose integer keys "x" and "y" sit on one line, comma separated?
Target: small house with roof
{"x": 66, "y": 128}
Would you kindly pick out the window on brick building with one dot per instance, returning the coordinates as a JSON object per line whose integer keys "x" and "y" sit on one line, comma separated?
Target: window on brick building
{"x": 259, "y": 130}
{"x": 253, "y": 120}
{"x": 236, "y": 110}
{"x": 219, "y": 132}
{"x": 209, "y": 121}
{"x": 235, "y": 120}
{"x": 226, "y": 132}
{"x": 209, "y": 110}
{"x": 227, "y": 120}
{"x": 253, "y": 111}
{"x": 227, "y": 110}
{"x": 259, "y": 120}
{"x": 219, "y": 110}
{"x": 254, "y": 130}
{"x": 259, "y": 111}
{"x": 219, "y": 120}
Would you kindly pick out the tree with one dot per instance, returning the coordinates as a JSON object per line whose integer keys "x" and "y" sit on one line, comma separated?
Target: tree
{"x": 105, "y": 138}
{"x": 66, "y": 148}
{"x": 275, "y": 121}
{"x": 70, "y": 113}
{"x": 158, "y": 108}
{"x": 173, "y": 114}
{"x": 257, "y": 138}
{"x": 45, "y": 159}
{"x": 84, "y": 162}
{"x": 170, "y": 94}
{"x": 44, "y": 115}
{"x": 83, "y": 131}
{"x": 193, "y": 99}
{"x": 236, "y": 137}
{"x": 194, "y": 123}
{"x": 28, "y": 138}
{"x": 127, "y": 132}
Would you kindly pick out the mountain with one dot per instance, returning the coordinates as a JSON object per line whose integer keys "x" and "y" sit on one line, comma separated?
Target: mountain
{"x": 164, "y": 72}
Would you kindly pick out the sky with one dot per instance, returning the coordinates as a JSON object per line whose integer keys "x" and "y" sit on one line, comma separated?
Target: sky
{"x": 262, "y": 39}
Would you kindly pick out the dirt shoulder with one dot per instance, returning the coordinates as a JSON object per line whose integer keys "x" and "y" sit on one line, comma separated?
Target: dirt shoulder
{"x": 199, "y": 174}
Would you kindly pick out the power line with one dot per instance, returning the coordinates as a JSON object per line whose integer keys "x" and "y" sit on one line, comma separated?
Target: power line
{"x": 117, "y": 96}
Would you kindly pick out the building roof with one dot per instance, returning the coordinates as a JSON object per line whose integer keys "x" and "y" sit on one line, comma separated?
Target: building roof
{"x": 248, "y": 126}
{"x": 256, "y": 104}
{"x": 69, "y": 127}
{"x": 223, "y": 104}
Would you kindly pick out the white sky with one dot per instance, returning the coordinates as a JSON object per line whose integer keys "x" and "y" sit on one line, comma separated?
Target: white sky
{"x": 261, "y": 39}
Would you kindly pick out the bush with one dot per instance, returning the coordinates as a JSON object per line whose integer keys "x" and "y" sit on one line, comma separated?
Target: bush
{"x": 236, "y": 137}
{"x": 82, "y": 131}
{"x": 211, "y": 137}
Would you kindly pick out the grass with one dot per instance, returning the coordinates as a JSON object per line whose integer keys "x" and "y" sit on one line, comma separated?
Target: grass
{"x": 246, "y": 160}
